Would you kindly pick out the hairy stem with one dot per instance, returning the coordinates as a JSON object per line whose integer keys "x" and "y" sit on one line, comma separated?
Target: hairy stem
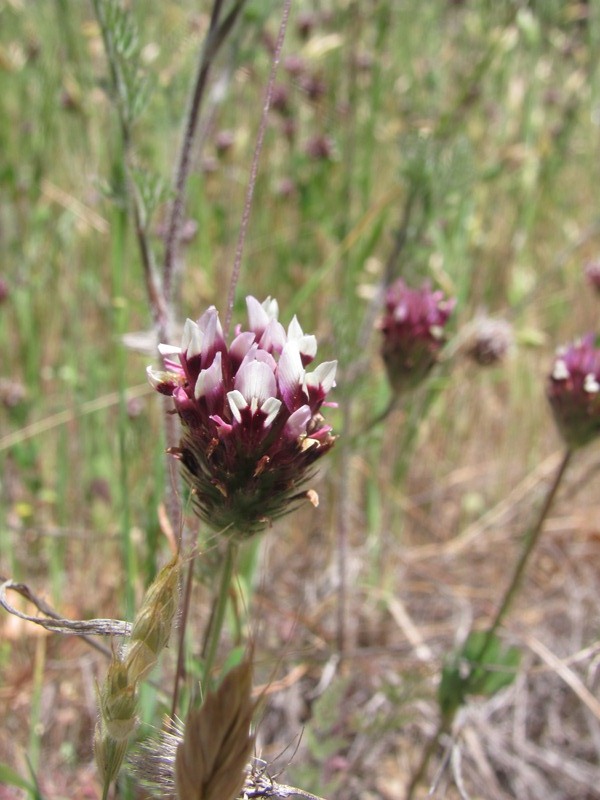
{"x": 237, "y": 263}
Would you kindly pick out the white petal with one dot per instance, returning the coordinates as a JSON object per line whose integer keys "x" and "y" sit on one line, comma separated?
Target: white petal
{"x": 590, "y": 384}
{"x": 307, "y": 343}
{"x": 155, "y": 378}
{"x": 273, "y": 338}
{"x": 271, "y": 408}
{"x": 290, "y": 372}
{"x": 209, "y": 379}
{"x": 258, "y": 319}
{"x": 294, "y": 329}
{"x": 236, "y": 403}
{"x": 323, "y": 376}
{"x": 296, "y": 424}
{"x": 560, "y": 371}
{"x": 241, "y": 345}
{"x": 168, "y": 350}
{"x": 191, "y": 342}
{"x": 255, "y": 380}
{"x": 271, "y": 306}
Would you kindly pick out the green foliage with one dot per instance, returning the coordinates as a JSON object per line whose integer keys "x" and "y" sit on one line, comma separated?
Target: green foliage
{"x": 483, "y": 666}
{"x": 122, "y": 42}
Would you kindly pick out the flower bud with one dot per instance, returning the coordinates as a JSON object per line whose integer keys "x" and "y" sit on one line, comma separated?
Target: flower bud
{"x": 573, "y": 391}
{"x": 413, "y": 332}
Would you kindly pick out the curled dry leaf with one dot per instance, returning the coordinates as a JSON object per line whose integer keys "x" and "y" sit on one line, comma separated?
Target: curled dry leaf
{"x": 211, "y": 760}
{"x": 54, "y": 622}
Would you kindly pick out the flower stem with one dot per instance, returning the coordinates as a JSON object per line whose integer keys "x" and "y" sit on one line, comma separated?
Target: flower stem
{"x": 218, "y": 617}
{"x": 181, "y": 648}
{"x": 531, "y": 539}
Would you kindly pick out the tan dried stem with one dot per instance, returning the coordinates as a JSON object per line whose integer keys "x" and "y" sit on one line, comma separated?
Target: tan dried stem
{"x": 211, "y": 760}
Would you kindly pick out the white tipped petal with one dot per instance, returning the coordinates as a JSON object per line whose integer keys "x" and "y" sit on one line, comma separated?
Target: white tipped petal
{"x": 294, "y": 329}
{"x": 271, "y": 307}
{"x": 237, "y": 403}
{"x": 255, "y": 381}
{"x": 323, "y": 376}
{"x": 271, "y": 408}
{"x": 209, "y": 379}
{"x": 155, "y": 378}
{"x": 258, "y": 318}
{"x": 273, "y": 338}
{"x": 169, "y": 350}
{"x": 590, "y": 384}
{"x": 193, "y": 337}
{"x": 560, "y": 371}
{"x": 308, "y": 345}
{"x": 290, "y": 370}
{"x": 297, "y": 422}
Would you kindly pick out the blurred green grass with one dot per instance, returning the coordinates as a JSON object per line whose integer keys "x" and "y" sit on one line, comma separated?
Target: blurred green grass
{"x": 475, "y": 123}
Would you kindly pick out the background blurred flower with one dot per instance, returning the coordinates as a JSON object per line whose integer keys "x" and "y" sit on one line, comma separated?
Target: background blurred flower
{"x": 250, "y": 413}
{"x": 592, "y": 274}
{"x": 487, "y": 340}
{"x": 573, "y": 391}
{"x": 413, "y": 332}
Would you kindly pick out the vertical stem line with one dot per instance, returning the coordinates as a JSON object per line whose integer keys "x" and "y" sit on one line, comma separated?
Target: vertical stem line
{"x": 531, "y": 540}
{"x": 218, "y": 617}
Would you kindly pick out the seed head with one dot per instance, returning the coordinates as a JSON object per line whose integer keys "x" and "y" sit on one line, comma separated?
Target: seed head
{"x": 250, "y": 411}
{"x": 413, "y": 332}
{"x": 574, "y": 391}
{"x": 488, "y": 340}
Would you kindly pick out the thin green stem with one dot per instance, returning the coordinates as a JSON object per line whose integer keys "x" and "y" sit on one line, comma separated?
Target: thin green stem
{"x": 444, "y": 726}
{"x": 531, "y": 540}
{"x": 218, "y": 617}
{"x": 181, "y": 649}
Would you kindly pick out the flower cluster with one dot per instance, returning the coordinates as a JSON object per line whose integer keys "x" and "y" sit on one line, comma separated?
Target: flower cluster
{"x": 250, "y": 415}
{"x": 413, "y": 332}
{"x": 574, "y": 391}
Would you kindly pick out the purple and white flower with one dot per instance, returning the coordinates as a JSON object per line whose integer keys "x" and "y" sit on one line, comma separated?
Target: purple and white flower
{"x": 573, "y": 391}
{"x": 413, "y": 332}
{"x": 252, "y": 427}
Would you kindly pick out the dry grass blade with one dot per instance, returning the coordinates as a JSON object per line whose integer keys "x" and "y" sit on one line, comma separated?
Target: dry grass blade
{"x": 211, "y": 761}
{"x": 53, "y": 622}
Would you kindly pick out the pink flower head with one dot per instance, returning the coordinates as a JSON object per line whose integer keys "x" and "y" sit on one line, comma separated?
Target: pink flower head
{"x": 574, "y": 391}
{"x": 250, "y": 413}
{"x": 413, "y": 332}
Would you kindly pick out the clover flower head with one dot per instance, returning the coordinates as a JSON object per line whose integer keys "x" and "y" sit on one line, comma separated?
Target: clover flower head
{"x": 573, "y": 391}
{"x": 488, "y": 340}
{"x": 413, "y": 332}
{"x": 250, "y": 411}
